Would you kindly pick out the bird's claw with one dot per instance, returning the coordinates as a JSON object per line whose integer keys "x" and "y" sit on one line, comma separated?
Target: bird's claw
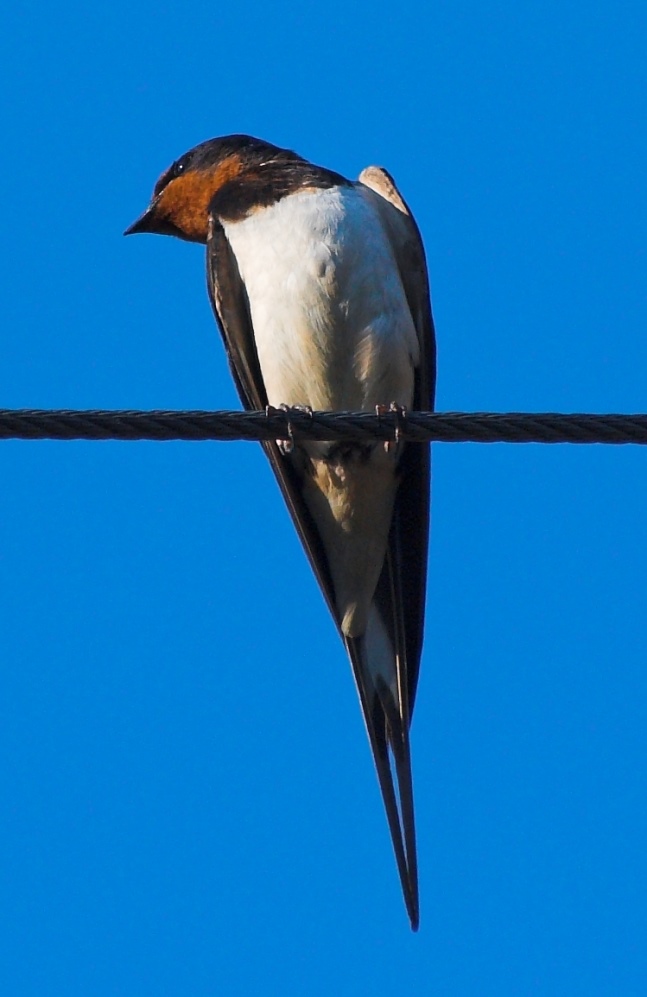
{"x": 400, "y": 413}
{"x": 287, "y": 446}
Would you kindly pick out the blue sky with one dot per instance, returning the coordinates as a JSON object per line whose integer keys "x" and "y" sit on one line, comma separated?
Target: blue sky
{"x": 188, "y": 801}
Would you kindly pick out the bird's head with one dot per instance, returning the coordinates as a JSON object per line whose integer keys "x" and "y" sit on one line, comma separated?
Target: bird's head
{"x": 183, "y": 193}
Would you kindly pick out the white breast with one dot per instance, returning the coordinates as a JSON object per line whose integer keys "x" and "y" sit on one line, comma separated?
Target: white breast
{"x": 332, "y": 326}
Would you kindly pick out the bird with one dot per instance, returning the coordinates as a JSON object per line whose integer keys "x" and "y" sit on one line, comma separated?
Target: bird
{"x": 320, "y": 290}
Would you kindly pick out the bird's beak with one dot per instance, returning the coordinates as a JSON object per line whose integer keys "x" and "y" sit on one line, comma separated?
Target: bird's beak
{"x": 148, "y": 222}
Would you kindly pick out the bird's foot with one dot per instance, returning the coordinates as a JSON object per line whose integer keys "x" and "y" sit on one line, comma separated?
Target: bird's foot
{"x": 287, "y": 446}
{"x": 400, "y": 413}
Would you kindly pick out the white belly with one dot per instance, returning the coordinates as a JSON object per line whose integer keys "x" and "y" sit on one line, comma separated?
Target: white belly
{"x": 332, "y": 326}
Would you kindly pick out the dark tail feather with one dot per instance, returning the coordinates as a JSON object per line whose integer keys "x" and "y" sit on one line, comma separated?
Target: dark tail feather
{"x": 389, "y": 739}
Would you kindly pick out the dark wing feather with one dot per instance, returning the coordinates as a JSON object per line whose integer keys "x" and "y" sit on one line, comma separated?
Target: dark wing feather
{"x": 408, "y": 546}
{"x": 401, "y": 589}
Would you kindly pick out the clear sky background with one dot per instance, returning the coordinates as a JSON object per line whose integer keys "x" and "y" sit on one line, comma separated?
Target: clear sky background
{"x": 187, "y": 796}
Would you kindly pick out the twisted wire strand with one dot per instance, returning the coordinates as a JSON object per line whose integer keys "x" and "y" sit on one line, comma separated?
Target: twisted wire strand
{"x": 446, "y": 427}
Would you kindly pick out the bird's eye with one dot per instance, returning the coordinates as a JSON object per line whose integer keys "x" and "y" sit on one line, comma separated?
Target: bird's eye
{"x": 174, "y": 171}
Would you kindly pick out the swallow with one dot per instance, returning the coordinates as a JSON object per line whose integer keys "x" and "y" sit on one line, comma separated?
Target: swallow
{"x": 319, "y": 288}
